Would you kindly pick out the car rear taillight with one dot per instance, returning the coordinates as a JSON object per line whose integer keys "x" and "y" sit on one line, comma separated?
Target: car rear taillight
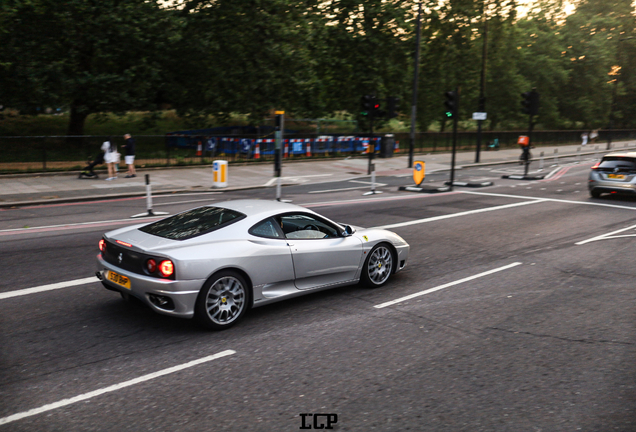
{"x": 151, "y": 265}
{"x": 166, "y": 268}
{"x": 102, "y": 245}
{"x": 595, "y": 166}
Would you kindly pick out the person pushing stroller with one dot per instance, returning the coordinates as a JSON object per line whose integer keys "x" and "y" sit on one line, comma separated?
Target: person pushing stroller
{"x": 88, "y": 172}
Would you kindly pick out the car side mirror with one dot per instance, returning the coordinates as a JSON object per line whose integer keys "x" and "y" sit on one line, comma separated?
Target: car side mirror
{"x": 347, "y": 231}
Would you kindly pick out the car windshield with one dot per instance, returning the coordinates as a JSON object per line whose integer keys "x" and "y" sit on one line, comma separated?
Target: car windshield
{"x": 193, "y": 223}
{"x": 622, "y": 163}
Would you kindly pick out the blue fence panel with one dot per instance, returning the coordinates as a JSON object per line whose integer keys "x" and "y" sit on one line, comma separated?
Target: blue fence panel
{"x": 323, "y": 145}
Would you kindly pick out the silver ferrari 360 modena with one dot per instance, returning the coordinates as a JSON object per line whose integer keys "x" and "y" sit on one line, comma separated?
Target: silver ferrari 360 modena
{"x": 213, "y": 263}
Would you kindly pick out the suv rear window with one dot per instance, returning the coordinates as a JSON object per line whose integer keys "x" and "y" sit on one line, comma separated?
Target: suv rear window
{"x": 193, "y": 223}
{"x": 622, "y": 163}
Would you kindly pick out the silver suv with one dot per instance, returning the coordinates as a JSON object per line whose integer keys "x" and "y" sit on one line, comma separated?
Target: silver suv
{"x": 615, "y": 173}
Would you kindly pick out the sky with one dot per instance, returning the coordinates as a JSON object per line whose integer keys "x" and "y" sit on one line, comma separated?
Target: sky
{"x": 524, "y": 5}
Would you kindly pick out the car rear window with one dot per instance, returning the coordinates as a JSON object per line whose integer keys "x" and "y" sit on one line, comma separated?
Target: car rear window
{"x": 193, "y": 223}
{"x": 622, "y": 163}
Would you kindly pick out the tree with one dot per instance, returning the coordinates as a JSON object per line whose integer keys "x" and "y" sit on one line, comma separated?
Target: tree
{"x": 87, "y": 56}
{"x": 246, "y": 56}
{"x": 592, "y": 37}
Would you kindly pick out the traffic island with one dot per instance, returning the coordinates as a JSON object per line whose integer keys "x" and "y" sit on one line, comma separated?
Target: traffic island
{"x": 523, "y": 177}
{"x": 473, "y": 183}
{"x": 425, "y": 189}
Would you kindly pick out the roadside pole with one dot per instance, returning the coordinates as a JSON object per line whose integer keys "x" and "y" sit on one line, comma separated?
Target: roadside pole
{"x": 416, "y": 68}
{"x": 526, "y": 149}
{"x": 481, "y": 114}
{"x": 371, "y": 147}
{"x": 455, "y": 115}
{"x": 149, "y": 211}
{"x": 278, "y": 152}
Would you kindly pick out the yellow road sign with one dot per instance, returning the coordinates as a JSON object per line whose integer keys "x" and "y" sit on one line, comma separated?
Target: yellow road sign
{"x": 419, "y": 172}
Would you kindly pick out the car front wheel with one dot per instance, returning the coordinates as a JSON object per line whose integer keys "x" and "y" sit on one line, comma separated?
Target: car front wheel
{"x": 378, "y": 266}
{"x": 223, "y": 301}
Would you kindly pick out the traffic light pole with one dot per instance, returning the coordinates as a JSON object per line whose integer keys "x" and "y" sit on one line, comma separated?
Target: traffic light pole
{"x": 371, "y": 147}
{"x": 416, "y": 68}
{"x": 526, "y": 149}
{"x": 278, "y": 152}
{"x": 455, "y": 116}
{"x": 482, "y": 85}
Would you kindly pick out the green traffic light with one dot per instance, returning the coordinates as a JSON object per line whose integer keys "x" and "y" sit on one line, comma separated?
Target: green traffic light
{"x": 449, "y": 114}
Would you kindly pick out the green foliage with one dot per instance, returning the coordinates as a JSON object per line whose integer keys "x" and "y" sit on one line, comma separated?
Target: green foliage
{"x": 210, "y": 59}
{"x": 135, "y": 123}
{"x": 85, "y": 56}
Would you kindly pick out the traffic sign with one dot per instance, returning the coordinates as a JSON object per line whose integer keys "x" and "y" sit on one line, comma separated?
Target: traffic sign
{"x": 419, "y": 172}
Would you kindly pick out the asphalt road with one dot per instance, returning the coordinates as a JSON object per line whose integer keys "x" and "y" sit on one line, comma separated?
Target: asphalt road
{"x": 524, "y": 323}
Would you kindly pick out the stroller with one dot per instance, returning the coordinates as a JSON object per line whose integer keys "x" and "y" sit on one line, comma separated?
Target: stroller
{"x": 87, "y": 172}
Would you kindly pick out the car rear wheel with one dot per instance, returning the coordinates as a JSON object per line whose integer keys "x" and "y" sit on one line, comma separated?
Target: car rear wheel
{"x": 378, "y": 266}
{"x": 223, "y": 301}
{"x": 595, "y": 194}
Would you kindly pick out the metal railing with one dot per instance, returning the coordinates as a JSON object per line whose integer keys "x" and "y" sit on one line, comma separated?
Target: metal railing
{"x": 63, "y": 153}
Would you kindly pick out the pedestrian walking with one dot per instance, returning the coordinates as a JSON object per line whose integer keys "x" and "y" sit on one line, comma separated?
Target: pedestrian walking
{"x": 584, "y": 137}
{"x": 130, "y": 156}
{"x": 593, "y": 136}
{"x": 111, "y": 157}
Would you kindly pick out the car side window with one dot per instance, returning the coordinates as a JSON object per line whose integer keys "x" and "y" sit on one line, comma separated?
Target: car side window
{"x": 304, "y": 226}
{"x": 267, "y": 228}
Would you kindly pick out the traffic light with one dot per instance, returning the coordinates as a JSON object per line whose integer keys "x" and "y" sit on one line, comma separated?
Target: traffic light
{"x": 376, "y": 108}
{"x": 393, "y": 104}
{"x": 366, "y": 105}
{"x": 450, "y": 105}
{"x": 530, "y": 102}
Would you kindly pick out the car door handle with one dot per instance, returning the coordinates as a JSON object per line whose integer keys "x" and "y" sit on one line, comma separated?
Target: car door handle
{"x": 289, "y": 244}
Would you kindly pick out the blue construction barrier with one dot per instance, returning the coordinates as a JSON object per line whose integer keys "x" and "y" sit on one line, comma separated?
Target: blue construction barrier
{"x": 292, "y": 147}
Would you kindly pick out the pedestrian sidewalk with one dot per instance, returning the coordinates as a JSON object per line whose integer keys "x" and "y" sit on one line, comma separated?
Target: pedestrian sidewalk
{"x": 23, "y": 189}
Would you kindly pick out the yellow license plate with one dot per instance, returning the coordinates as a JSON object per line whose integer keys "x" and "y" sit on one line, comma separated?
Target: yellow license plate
{"x": 616, "y": 176}
{"x": 118, "y": 279}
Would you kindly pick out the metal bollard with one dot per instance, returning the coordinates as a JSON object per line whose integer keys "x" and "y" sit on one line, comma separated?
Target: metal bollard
{"x": 372, "y": 191}
{"x": 541, "y": 161}
{"x": 578, "y": 154}
{"x": 149, "y": 211}
{"x": 556, "y": 156}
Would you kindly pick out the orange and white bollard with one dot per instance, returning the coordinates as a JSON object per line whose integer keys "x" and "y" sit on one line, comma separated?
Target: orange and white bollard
{"x": 308, "y": 153}
{"x": 199, "y": 149}
{"x": 257, "y": 150}
{"x": 286, "y": 148}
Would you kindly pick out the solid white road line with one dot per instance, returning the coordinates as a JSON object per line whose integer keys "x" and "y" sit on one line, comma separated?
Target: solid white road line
{"x": 452, "y": 215}
{"x": 605, "y": 236}
{"x": 549, "y": 199}
{"x": 441, "y": 287}
{"x": 294, "y": 178}
{"x": 77, "y": 225}
{"x": 346, "y": 189}
{"x": 49, "y": 287}
{"x": 113, "y": 388}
